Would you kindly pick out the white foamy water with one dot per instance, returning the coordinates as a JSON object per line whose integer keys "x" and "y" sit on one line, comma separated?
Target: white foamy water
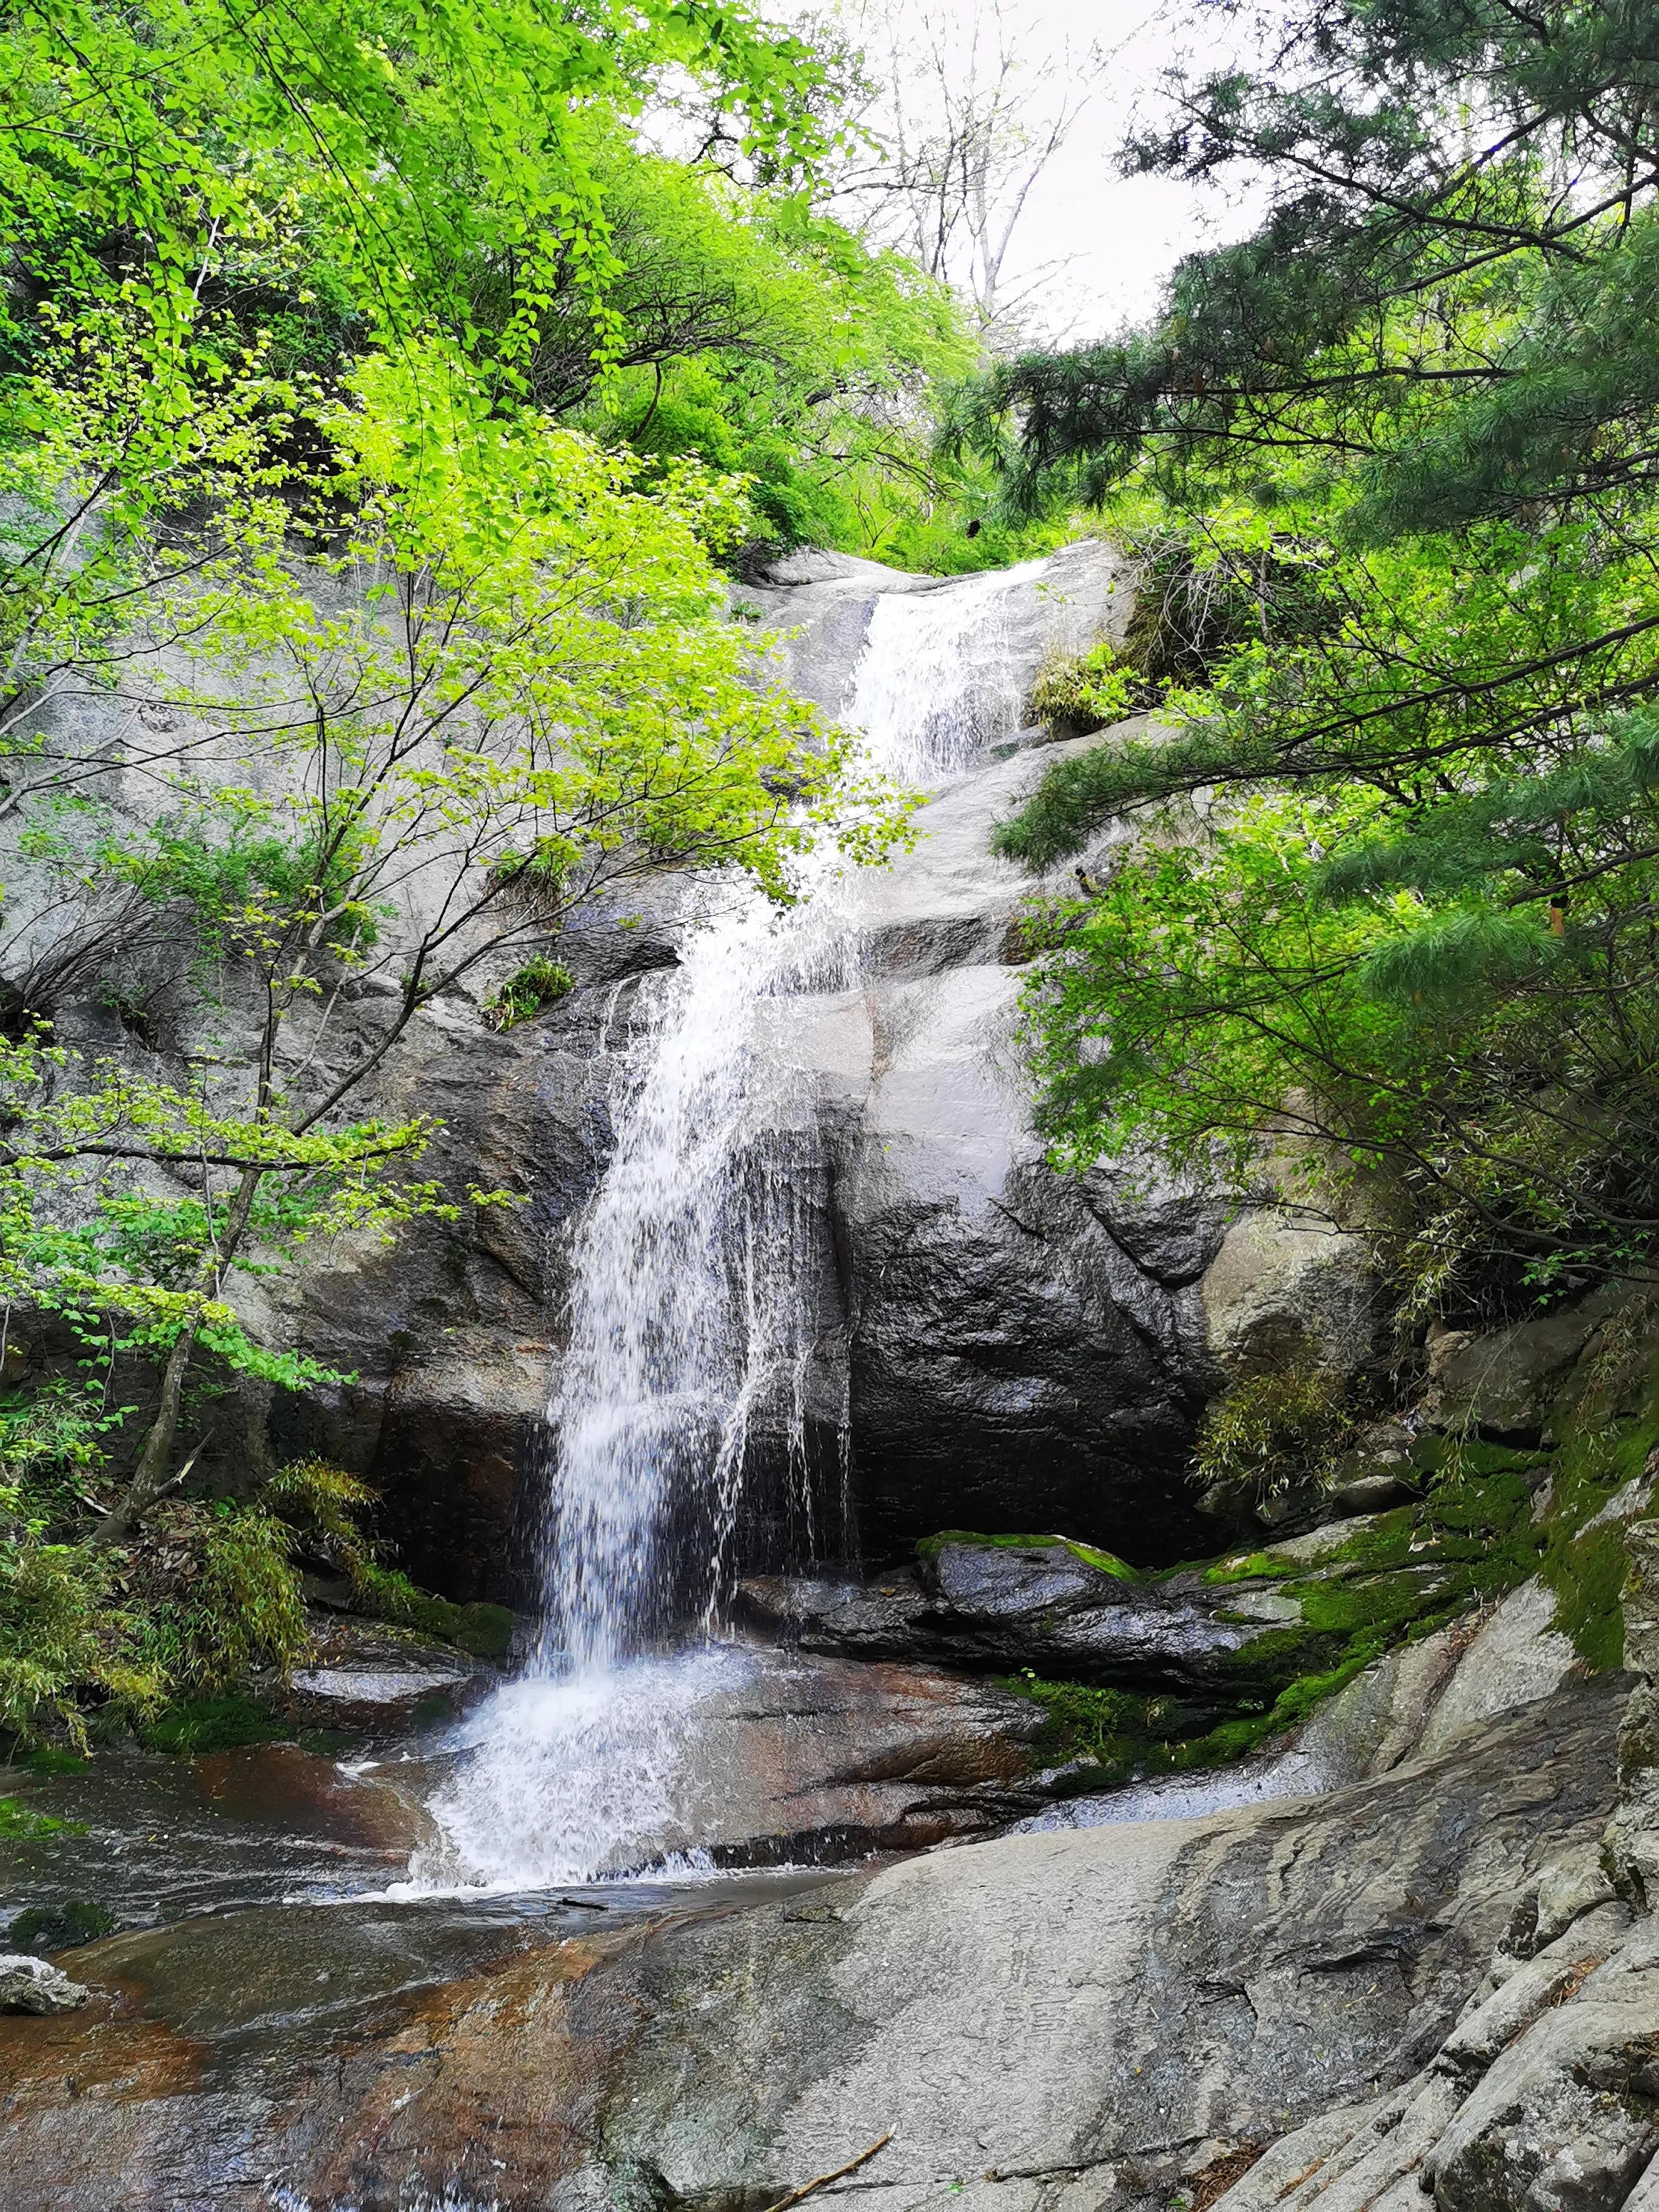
{"x": 568, "y": 1780}
{"x": 693, "y": 1323}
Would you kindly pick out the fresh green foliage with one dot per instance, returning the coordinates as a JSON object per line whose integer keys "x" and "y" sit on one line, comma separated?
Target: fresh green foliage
{"x": 1276, "y": 1431}
{"x": 1386, "y": 469}
{"x": 357, "y": 160}
{"x": 243, "y": 1609}
{"x": 51, "y": 1646}
{"x": 180, "y": 1632}
{"x": 523, "y": 651}
{"x": 540, "y": 983}
{"x": 326, "y": 1507}
{"x": 1085, "y": 693}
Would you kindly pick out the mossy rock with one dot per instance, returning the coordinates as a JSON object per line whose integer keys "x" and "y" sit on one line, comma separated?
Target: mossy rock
{"x": 20, "y": 1824}
{"x": 43, "y": 1928}
{"x": 201, "y": 1724}
{"x": 1108, "y": 1562}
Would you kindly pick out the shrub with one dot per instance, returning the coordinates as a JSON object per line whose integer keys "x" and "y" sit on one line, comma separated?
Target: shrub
{"x": 1272, "y": 1432}
{"x": 539, "y": 984}
{"x": 1083, "y": 693}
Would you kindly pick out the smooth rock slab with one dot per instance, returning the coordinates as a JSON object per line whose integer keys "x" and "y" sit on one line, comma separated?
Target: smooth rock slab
{"x": 367, "y": 1675}
{"x": 1048, "y": 2023}
{"x": 811, "y": 1761}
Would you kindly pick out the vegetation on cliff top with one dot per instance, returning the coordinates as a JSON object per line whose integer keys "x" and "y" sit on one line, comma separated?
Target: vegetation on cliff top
{"x": 1387, "y": 467}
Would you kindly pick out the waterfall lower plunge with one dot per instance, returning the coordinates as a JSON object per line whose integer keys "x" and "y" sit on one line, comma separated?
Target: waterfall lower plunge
{"x": 693, "y": 1323}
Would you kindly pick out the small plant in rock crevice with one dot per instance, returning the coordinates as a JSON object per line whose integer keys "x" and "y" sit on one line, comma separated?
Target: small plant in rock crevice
{"x": 1276, "y": 1432}
{"x": 1085, "y": 692}
{"x": 540, "y": 983}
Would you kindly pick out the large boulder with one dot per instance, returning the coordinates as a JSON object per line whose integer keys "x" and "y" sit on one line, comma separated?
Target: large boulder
{"x": 1046, "y": 1604}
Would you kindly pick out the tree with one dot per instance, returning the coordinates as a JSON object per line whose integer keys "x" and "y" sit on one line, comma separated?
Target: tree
{"x": 961, "y": 128}
{"x": 1404, "y": 434}
{"x": 508, "y": 685}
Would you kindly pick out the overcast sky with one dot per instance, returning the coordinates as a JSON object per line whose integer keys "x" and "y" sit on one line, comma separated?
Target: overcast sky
{"x": 1124, "y": 233}
{"x": 1120, "y": 235}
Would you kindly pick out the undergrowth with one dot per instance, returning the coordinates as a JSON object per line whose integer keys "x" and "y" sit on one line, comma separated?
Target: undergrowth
{"x": 1492, "y": 1516}
{"x": 1085, "y": 693}
{"x": 528, "y": 991}
{"x": 180, "y": 1633}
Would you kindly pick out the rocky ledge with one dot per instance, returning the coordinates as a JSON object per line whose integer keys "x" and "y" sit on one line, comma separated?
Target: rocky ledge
{"x": 1228, "y": 1630}
{"x": 1107, "y": 2019}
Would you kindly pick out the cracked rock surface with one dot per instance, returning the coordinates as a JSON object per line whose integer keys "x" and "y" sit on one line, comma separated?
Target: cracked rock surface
{"x": 1075, "y": 2021}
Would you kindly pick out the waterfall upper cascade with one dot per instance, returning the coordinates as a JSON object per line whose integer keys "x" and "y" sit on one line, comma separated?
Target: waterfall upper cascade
{"x": 693, "y": 1318}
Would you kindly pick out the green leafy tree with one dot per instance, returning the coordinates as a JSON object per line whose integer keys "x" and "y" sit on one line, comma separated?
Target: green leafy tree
{"x": 509, "y": 685}
{"x": 1396, "y": 891}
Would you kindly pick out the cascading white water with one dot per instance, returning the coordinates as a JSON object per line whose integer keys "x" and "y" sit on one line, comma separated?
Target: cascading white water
{"x": 690, "y": 1314}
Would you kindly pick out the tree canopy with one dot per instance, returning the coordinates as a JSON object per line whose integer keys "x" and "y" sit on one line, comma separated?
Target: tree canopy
{"x": 379, "y": 426}
{"x": 1387, "y": 467}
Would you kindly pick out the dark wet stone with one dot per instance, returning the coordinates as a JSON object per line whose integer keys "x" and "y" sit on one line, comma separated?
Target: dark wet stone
{"x": 1003, "y": 1606}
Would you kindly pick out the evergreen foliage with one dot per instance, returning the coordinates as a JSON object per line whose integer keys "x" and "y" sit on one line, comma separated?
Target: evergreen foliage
{"x": 1395, "y": 893}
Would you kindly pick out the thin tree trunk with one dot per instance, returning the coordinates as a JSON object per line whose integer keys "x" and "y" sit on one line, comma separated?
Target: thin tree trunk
{"x": 150, "y": 1479}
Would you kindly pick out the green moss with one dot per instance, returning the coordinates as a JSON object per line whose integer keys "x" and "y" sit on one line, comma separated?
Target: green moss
{"x": 1588, "y": 1577}
{"x": 1584, "y": 1567}
{"x": 19, "y": 1824}
{"x": 539, "y": 984}
{"x": 1241, "y": 1567}
{"x": 51, "y": 1758}
{"x": 485, "y": 1631}
{"x": 47, "y": 1928}
{"x": 929, "y": 1547}
{"x": 201, "y": 1724}
{"x": 1398, "y": 1577}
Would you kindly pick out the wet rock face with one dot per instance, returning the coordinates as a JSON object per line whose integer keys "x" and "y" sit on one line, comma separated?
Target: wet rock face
{"x": 812, "y": 1761}
{"x": 1081, "y": 2019}
{"x": 1012, "y": 1359}
{"x": 1007, "y": 1605}
{"x": 1010, "y": 1346}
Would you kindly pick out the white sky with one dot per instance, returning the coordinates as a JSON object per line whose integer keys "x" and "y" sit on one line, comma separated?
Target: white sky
{"x": 1122, "y": 234}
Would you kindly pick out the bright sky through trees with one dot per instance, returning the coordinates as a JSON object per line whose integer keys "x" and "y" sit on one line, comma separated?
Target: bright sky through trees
{"x": 1092, "y": 247}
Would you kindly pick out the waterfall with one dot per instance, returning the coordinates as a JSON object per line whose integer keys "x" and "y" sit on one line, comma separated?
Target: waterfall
{"x": 692, "y": 1314}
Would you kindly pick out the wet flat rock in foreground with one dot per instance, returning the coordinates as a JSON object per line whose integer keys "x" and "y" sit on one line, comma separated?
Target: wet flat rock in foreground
{"x": 1077, "y": 2019}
